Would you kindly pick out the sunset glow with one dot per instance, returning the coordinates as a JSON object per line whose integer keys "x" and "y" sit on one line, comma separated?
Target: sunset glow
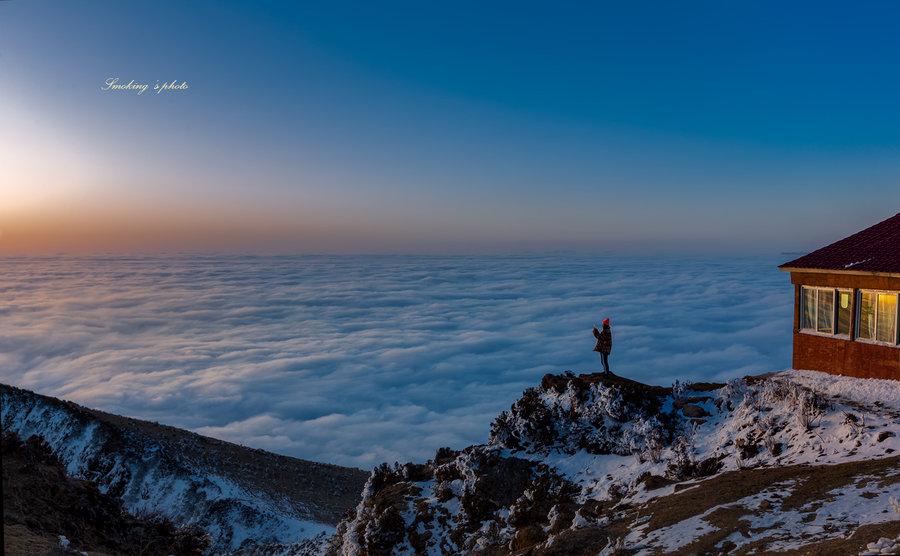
{"x": 319, "y": 141}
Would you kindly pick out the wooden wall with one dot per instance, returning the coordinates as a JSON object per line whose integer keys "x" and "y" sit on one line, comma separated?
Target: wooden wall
{"x": 839, "y": 280}
{"x": 845, "y": 357}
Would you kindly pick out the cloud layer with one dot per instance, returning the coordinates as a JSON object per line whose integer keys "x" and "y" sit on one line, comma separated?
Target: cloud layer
{"x": 358, "y": 360}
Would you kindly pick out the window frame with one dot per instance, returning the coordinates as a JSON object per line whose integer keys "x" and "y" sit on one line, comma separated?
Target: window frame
{"x": 815, "y": 318}
{"x": 837, "y": 305}
{"x": 896, "y": 294}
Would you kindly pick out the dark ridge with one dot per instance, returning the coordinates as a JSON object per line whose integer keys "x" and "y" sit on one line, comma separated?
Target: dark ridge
{"x": 326, "y": 490}
{"x": 40, "y": 503}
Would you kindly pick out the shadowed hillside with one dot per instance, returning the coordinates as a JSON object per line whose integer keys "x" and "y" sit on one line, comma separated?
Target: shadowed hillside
{"x": 240, "y": 496}
{"x": 44, "y": 509}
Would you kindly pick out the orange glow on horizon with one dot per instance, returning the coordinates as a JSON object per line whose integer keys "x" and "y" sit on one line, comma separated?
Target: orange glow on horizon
{"x": 82, "y": 228}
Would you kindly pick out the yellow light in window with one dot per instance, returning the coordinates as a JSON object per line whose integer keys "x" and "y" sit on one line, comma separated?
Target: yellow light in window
{"x": 845, "y": 300}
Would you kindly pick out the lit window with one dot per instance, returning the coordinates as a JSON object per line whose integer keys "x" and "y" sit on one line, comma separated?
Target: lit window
{"x": 886, "y": 319}
{"x": 878, "y": 316}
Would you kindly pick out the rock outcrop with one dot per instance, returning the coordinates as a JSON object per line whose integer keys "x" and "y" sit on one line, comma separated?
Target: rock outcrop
{"x": 594, "y": 464}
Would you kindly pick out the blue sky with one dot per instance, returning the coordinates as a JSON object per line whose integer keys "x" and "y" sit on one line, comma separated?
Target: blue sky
{"x": 419, "y": 127}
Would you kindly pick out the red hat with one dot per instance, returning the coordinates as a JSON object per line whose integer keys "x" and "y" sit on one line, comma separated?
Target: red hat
{"x": 606, "y": 322}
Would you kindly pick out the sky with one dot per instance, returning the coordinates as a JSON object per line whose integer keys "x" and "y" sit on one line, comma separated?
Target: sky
{"x": 419, "y": 127}
{"x": 356, "y": 360}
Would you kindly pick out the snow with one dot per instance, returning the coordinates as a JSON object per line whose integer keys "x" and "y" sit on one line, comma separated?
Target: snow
{"x": 865, "y": 391}
{"x": 791, "y": 417}
{"x": 882, "y": 546}
{"x": 669, "y": 538}
{"x": 768, "y": 410}
{"x": 855, "y": 263}
{"x": 591, "y": 471}
{"x": 837, "y": 515}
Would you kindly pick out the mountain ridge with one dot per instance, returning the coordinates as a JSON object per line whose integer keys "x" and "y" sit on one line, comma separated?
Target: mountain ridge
{"x": 241, "y": 496}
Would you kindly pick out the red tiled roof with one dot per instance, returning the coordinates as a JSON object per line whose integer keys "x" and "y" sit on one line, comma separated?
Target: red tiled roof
{"x": 875, "y": 249}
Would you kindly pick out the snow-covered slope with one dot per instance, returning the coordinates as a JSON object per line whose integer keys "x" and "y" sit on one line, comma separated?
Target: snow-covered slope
{"x": 242, "y": 497}
{"x": 596, "y": 464}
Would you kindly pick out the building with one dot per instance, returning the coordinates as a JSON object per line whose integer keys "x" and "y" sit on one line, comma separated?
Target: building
{"x": 846, "y": 304}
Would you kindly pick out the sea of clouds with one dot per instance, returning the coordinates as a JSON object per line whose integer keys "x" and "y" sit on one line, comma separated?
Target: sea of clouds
{"x": 362, "y": 359}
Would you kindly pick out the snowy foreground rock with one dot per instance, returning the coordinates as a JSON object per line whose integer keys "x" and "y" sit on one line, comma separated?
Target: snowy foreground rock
{"x": 590, "y": 464}
{"x": 245, "y": 499}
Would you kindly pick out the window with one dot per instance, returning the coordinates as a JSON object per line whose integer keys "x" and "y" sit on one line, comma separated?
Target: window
{"x": 878, "y": 316}
{"x": 844, "y": 307}
{"x": 825, "y": 311}
{"x": 867, "y": 315}
{"x": 886, "y": 318}
{"x": 817, "y": 309}
{"x": 808, "y": 317}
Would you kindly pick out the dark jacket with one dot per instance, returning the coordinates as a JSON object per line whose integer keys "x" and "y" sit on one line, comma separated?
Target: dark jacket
{"x": 604, "y": 340}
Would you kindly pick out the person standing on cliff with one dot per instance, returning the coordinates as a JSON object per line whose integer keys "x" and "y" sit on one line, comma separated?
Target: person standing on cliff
{"x": 604, "y": 344}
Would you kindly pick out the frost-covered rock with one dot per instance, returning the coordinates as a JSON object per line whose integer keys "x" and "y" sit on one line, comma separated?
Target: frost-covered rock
{"x": 594, "y": 413}
{"x": 588, "y": 464}
{"x": 882, "y": 546}
{"x": 459, "y": 502}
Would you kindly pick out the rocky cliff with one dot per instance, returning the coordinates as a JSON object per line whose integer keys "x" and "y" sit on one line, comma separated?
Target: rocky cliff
{"x": 595, "y": 464}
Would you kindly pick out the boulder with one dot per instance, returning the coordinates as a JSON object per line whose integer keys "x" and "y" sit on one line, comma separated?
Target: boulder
{"x": 694, "y": 411}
